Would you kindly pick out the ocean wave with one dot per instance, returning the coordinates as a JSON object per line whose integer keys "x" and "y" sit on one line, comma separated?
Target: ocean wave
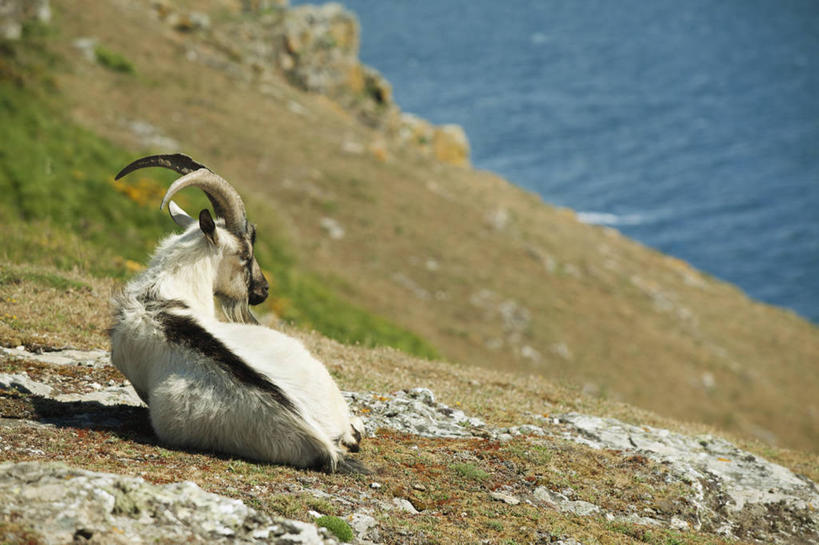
{"x": 611, "y": 220}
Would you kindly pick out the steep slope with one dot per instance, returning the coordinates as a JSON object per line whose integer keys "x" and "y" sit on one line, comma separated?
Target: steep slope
{"x": 485, "y": 272}
{"x": 483, "y": 457}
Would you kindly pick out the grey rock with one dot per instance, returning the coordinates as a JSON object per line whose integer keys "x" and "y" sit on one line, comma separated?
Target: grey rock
{"x": 13, "y": 13}
{"x": 564, "y": 504}
{"x": 735, "y": 493}
{"x": 86, "y": 46}
{"x": 60, "y": 503}
{"x": 505, "y": 498}
{"x": 731, "y": 489}
{"x": 413, "y": 411}
{"x": 108, "y": 396}
{"x": 87, "y": 358}
{"x": 333, "y": 228}
{"x": 22, "y": 383}
{"x": 404, "y": 505}
{"x": 150, "y": 136}
{"x": 364, "y": 526}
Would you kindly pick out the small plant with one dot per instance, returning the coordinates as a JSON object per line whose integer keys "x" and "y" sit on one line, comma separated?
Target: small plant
{"x": 337, "y": 526}
{"x": 113, "y": 61}
{"x": 470, "y": 471}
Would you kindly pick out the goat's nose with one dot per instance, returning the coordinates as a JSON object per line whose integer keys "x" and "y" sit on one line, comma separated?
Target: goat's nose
{"x": 258, "y": 294}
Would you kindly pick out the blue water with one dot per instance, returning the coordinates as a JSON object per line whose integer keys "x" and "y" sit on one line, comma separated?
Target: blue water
{"x": 691, "y": 126}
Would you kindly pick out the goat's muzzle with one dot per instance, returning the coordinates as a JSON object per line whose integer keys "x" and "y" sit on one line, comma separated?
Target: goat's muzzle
{"x": 258, "y": 290}
{"x": 258, "y": 295}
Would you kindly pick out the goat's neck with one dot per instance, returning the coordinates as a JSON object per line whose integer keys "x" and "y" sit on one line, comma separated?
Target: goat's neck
{"x": 190, "y": 282}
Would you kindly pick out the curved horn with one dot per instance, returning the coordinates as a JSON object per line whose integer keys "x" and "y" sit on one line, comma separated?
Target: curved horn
{"x": 225, "y": 199}
{"x": 179, "y": 162}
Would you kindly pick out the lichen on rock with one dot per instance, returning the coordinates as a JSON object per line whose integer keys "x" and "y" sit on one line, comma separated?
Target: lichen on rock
{"x": 63, "y": 504}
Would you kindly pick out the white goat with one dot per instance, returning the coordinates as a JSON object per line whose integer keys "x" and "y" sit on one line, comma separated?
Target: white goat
{"x": 234, "y": 387}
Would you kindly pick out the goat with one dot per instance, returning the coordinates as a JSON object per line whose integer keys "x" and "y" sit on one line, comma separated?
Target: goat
{"x": 234, "y": 387}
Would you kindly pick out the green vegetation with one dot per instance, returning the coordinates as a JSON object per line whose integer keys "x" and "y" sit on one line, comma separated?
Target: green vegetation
{"x": 113, "y": 61}
{"x": 336, "y": 525}
{"x": 45, "y": 279}
{"x": 304, "y": 299}
{"x": 60, "y": 207}
{"x": 470, "y": 472}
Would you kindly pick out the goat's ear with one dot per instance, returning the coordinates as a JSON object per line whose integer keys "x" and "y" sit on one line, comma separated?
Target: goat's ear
{"x": 207, "y": 225}
{"x": 179, "y": 216}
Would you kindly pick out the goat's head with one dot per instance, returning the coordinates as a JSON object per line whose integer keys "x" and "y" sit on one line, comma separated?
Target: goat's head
{"x": 239, "y": 280}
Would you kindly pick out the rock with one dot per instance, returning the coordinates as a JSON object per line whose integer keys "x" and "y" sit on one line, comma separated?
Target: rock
{"x": 333, "y": 228}
{"x": 322, "y": 42}
{"x": 505, "y": 498}
{"x": 15, "y": 13}
{"x": 352, "y": 147}
{"x": 22, "y": 383}
{"x": 149, "y": 136}
{"x": 109, "y": 396}
{"x": 413, "y": 411}
{"x": 451, "y": 145}
{"x": 411, "y": 285}
{"x": 562, "y": 350}
{"x": 363, "y": 525}
{"x": 731, "y": 489}
{"x": 404, "y": 505}
{"x": 86, "y": 47}
{"x": 62, "y": 504}
{"x": 732, "y": 492}
{"x": 564, "y": 504}
{"x": 260, "y": 6}
{"x": 88, "y": 358}
{"x": 498, "y": 218}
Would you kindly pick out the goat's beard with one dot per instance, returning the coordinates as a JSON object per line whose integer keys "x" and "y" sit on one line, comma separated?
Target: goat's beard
{"x": 236, "y": 310}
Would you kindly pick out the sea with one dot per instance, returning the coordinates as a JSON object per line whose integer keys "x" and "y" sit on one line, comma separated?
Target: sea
{"x": 691, "y": 126}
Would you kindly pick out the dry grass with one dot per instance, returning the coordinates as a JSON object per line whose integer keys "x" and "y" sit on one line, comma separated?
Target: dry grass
{"x": 447, "y": 481}
{"x": 500, "y": 398}
{"x": 636, "y": 325}
{"x": 47, "y": 307}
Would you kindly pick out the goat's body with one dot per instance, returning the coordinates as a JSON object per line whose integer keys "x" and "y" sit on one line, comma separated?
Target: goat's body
{"x": 237, "y": 388}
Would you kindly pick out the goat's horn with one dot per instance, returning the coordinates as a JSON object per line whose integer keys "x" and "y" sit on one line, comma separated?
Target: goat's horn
{"x": 179, "y": 162}
{"x": 225, "y": 199}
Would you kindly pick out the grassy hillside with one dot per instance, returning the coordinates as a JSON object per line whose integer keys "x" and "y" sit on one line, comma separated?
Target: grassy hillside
{"x": 484, "y": 272}
{"x": 62, "y": 207}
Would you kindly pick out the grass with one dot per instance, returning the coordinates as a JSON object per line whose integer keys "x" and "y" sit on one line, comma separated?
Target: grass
{"x": 61, "y": 208}
{"x": 113, "y": 61}
{"x": 337, "y": 526}
{"x": 598, "y": 299}
{"x": 591, "y": 294}
{"x": 470, "y": 472}
{"x": 448, "y": 481}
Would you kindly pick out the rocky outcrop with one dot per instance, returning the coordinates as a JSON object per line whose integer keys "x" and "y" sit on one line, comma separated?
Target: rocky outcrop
{"x": 315, "y": 48}
{"x": 15, "y": 13}
{"x": 60, "y": 505}
{"x": 728, "y": 491}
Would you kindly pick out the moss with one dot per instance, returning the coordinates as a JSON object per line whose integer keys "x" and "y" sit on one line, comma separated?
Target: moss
{"x": 470, "y": 471}
{"x": 113, "y": 61}
{"x": 337, "y": 526}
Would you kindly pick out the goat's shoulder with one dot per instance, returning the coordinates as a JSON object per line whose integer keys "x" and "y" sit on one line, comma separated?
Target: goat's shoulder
{"x": 216, "y": 343}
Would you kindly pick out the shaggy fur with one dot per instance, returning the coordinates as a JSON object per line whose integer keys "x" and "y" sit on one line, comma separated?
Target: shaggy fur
{"x": 238, "y": 388}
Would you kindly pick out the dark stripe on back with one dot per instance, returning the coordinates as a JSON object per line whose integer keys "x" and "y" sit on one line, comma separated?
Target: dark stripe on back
{"x": 185, "y": 331}
{"x": 153, "y": 303}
